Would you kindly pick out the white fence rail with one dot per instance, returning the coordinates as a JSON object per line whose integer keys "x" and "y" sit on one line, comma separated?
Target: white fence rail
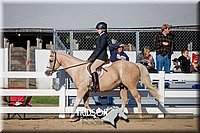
{"x": 64, "y": 93}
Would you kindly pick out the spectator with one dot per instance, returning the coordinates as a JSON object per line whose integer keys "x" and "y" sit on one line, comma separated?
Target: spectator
{"x": 117, "y": 53}
{"x": 176, "y": 68}
{"x": 195, "y": 62}
{"x": 196, "y": 67}
{"x": 146, "y": 59}
{"x": 164, "y": 48}
{"x": 185, "y": 62}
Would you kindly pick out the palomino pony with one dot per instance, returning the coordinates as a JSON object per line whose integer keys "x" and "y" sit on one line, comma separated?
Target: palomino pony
{"x": 124, "y": 72}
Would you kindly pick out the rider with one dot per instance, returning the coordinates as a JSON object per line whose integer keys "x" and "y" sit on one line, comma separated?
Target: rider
{"x": 99, "y": 55}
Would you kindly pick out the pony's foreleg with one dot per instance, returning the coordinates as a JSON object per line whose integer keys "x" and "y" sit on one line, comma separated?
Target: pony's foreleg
{"x": 137, "y": 97}
{"x": 86, "y": 103}
{"x": 123, "y": 95}
{"x": 80, "y": 94}
{"x": 76, "y": 103}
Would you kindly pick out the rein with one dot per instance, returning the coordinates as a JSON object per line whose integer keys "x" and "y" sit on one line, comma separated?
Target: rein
{"x": 65, "y": 67}
{"x": 74, "y": 65}
{"x": 69, "y": 66}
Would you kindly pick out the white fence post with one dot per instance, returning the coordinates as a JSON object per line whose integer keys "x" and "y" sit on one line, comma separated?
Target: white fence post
{"x": 28, "y": 61}
{"x": 3, "y": 67}
{"x": 67, "y": 87}
{"x": 161, "y": 91}
{"x": 5, "y": 43}
{"x": 161, "y": 86}
{"x": 62, "y": 102}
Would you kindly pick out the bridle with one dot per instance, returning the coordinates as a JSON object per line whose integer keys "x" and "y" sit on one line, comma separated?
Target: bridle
{"x": 56, "y": 60}
{"x": 54, "y": 64}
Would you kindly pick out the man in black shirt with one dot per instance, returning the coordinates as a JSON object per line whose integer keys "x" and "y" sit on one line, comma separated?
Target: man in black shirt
{"x": 185, "y": 62}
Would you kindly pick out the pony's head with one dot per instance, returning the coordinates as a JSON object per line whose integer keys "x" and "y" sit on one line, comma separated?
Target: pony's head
{"x": 54, "y": 64}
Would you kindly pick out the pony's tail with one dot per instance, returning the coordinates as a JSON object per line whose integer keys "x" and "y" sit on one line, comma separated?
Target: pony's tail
{"x": 146, "y": 80}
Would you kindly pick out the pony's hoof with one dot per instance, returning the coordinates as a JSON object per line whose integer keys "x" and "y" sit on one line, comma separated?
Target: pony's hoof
{"x": 72, "y": 116}
{"x": 74, "y": 119}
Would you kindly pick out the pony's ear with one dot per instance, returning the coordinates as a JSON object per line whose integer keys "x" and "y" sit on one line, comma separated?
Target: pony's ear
{"x": 52, "y": 51}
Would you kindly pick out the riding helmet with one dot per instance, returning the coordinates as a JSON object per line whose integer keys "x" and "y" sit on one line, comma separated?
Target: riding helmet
{"x": 101, "y": 25}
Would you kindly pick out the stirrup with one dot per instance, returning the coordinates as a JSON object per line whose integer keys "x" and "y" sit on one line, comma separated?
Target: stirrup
{"x": 93, "y": 89}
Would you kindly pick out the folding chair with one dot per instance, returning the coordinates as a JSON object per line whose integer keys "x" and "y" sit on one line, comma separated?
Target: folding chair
{"x": 16, "y": 101}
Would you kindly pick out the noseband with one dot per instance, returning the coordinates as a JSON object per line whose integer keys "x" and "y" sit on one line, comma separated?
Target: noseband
{"x": 54, "y": 64}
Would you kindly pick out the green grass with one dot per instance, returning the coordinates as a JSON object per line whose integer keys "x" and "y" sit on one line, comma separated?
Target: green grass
{"x": 44, "y": 100}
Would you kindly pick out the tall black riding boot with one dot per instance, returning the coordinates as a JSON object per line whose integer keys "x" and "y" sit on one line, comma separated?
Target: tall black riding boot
{"x": 95, "y": 80}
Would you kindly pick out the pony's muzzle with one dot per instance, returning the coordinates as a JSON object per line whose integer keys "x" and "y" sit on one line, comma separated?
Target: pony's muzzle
{"x": 48, "y": 72}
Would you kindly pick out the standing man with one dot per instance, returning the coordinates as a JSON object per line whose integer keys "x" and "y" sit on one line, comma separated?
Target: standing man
{"x": 163, "y": 42}
{"x": 99, "y": 55}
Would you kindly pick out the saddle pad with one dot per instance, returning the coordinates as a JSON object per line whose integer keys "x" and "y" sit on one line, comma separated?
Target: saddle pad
{"x": 99, "y": 70}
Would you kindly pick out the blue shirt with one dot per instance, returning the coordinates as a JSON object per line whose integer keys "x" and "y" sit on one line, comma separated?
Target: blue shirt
{"x": 115, "y": 55}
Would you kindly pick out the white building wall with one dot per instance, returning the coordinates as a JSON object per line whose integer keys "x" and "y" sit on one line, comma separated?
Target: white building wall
{"x": 3, "y": 66}
{"x": 41, "y": 62}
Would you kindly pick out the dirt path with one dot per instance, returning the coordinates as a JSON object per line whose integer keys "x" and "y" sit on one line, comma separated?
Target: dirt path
{"x": 134, "y": 125}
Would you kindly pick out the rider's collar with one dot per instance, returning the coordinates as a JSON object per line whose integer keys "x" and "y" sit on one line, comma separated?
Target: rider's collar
{"x": 101, "y": 33}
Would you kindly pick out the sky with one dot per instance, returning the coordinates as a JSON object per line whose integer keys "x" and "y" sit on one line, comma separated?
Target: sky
{"x": 85, "y": 14}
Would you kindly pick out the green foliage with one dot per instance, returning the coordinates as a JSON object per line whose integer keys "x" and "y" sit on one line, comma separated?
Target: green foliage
{"x": 44, "y": 100}
{"x": 67, "y": 39}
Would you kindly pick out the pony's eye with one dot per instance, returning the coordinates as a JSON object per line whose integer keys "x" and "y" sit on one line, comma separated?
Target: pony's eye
{"x": 50, "y": 60}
